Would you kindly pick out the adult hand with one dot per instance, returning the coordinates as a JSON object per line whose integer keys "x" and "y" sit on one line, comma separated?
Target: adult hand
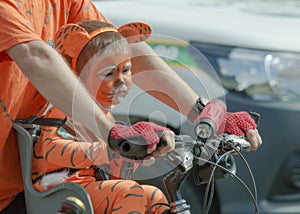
{"x": 254, "y": 138}
{"x": 241, "y": 124}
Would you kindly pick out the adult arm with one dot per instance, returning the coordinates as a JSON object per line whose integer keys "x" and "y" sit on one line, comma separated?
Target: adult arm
{"x": 156, "y": 77}
{"x": 52, "y": 77}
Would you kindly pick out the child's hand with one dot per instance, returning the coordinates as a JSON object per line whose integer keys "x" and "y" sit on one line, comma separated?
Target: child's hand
{"x": 158, "y": 151}
{"x": 168, "y": 145}
{"x": 149, "y": 134}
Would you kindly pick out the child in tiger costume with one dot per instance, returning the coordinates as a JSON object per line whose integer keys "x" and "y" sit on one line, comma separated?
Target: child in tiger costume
{"x": 99, "y": 55}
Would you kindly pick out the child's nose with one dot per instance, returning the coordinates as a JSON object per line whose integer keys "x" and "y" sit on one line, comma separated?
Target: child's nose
{"x": 119, "y": 81}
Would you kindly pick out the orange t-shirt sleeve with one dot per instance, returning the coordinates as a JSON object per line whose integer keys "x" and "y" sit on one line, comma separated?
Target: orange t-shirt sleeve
{"x": 15, "y": 28}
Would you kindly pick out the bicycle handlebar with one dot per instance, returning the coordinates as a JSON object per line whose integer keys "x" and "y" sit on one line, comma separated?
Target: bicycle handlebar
{"x": 201, "y": 155}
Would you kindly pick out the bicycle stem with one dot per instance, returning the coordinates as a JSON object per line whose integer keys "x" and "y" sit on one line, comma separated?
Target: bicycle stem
{"x": 176, "y": 178}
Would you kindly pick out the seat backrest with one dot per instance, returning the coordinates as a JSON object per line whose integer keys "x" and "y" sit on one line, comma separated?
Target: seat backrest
{"x": 48, "y": 202}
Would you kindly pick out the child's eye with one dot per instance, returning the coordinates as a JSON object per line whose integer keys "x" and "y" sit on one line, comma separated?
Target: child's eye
{"x": 102, "y": 75}
{"x": 105, "y": 73}
{"x": 126, "y": 70}
{"x": 109, "y": 74}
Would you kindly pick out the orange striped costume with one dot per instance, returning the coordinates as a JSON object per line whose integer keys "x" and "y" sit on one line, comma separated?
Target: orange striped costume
{"x": 57, "y": 149}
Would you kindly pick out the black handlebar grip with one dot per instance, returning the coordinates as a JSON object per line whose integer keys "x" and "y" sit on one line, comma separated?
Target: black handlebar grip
{"x": 131, "y": 147}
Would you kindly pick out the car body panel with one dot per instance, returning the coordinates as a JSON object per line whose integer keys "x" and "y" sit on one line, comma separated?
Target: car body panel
{"x": 254, "y": 24}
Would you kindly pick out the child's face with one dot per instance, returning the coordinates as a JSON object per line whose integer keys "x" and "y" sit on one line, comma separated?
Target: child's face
{"x": 112, "y": 78}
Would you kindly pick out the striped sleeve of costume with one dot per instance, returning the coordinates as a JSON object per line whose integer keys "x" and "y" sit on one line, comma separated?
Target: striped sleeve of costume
{"x": 56, "y": 149}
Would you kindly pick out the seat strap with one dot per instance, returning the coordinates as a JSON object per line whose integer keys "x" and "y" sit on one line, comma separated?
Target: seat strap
{"x": 42, "y": 121}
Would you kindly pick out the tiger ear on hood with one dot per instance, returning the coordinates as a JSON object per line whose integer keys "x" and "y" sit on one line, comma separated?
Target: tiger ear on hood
{"x": 135, "y": 31}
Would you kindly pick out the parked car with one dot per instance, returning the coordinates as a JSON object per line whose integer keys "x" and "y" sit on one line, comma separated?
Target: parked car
{"x": 253, "y": 48}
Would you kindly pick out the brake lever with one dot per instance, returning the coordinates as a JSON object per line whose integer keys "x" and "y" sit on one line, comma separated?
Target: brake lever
{"x": 231, "y": 141}
{"x": 241, "y": 143}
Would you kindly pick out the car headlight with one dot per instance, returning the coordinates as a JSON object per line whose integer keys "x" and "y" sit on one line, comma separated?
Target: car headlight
{"x": 260, "y": 74}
